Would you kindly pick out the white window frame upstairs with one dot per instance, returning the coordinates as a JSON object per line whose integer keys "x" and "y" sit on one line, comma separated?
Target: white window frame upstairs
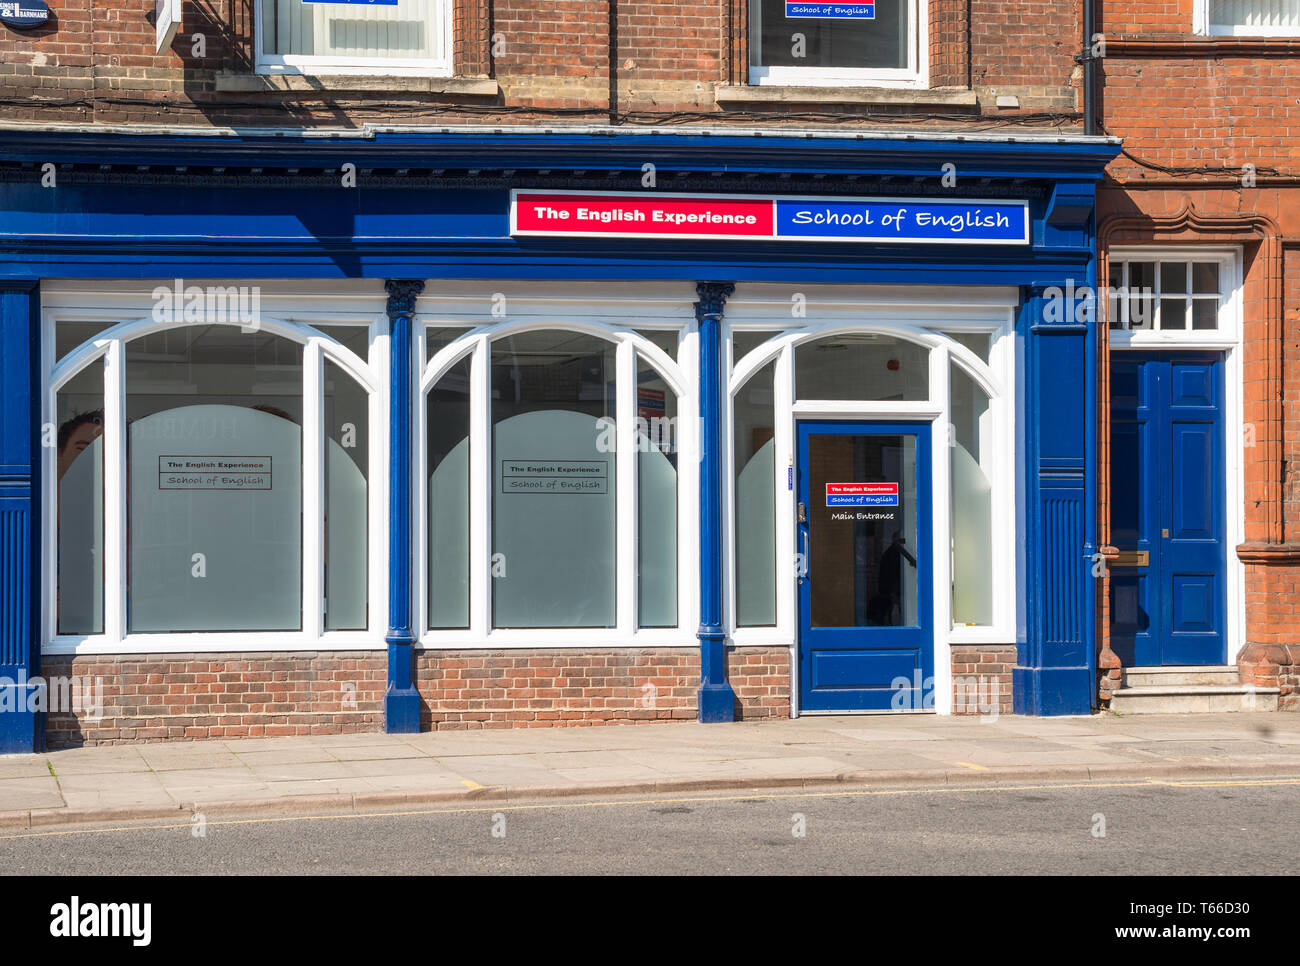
{"x": 437, "y": 65}
{"x": 494, "y": 310}
{"x": 291, "y": 316}
{"x": 916, "y": 75}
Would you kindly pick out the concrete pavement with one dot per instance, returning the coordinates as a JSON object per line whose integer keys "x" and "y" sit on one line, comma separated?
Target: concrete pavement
{"x": 367, "y": 771}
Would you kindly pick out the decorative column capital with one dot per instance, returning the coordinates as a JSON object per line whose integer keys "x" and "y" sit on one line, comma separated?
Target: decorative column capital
{"x": 402, "y": 293}
{"x": 712, "y": 299}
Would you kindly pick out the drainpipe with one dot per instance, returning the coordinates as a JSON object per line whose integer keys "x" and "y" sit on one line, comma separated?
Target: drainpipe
{"x": 1089, "y": 68}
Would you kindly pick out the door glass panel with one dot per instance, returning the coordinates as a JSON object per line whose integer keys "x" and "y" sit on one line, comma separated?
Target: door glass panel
{"x": 862, "y": 530}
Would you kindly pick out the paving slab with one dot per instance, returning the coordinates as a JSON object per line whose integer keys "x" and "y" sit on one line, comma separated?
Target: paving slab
{"x": 338, "y": 771}
{"x": 25, "y": 793}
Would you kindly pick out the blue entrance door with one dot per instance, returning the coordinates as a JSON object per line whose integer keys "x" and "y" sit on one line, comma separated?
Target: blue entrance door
{"x": 1167, "y": 508}
{"x": 866, "y": 636}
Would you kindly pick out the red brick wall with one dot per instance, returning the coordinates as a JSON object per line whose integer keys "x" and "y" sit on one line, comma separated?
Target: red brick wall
{"x": 196, "y": 696}
{"x": 96, "y": 62}
{"x": 1274, "y": 666}
{"x": 561, "y": 686}
{"x": 949, "y": 43}
{"x": 1028, "y": 49}
{"x": 253, "y": 695}
{"x": 1196, "y": 110}
{"x": 981, "y": 678}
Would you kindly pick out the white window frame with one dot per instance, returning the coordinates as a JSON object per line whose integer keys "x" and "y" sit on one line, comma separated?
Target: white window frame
{"x": 291, "y": 316}
{"x": 1227, "y": 339}
{"x": 438, "y": 65}
{"x": 1225, "y": 336}
{"x": 1201, "y": 25}
{"x": 915, "y": 76}
{"x": 607, "y": 312}
{"x": 833, "y": 310}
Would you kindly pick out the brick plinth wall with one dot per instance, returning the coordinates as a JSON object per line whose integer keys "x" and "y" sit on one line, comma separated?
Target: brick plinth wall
{"x": 1273, "y": 666}
{"x": 981, "y": 678}
{"x": 542, "y": 688}
{"x": 249, "y": 695}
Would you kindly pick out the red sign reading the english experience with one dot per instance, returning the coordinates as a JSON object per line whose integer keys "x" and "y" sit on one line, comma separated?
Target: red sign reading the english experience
{"x": 640, "y": 216}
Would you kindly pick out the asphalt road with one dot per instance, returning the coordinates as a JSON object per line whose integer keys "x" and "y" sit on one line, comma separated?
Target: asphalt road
{"x": 1199, "y": 827}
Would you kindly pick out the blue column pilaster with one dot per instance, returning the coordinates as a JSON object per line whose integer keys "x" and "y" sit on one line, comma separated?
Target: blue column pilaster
{"x": 1057, "y": 382}
{"x": 22, "y": 728}
{"x": 401, "y": 701}
{"x": 717, "y": 702}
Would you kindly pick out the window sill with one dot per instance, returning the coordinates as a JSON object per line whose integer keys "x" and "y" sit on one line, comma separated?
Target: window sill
{"x": 1217, "y": 45}
{"x": 741, "y": 94}
{"x": 348, "y": 83}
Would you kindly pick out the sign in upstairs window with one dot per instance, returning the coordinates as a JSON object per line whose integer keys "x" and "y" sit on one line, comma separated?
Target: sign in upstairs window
{"x": 1249, "y": 18}
{"x": 857, "y": 42}
{"x": 353, "y": 36}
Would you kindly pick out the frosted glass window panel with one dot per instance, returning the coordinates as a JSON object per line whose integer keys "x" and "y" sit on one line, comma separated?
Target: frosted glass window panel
{"x": 79, "y": 466}
{"x": 657, "y": 449}
{"x": 755, "y": 500}
{"x": 1254, "y": 16}
{"x": 346, "y": 424}
{"x": 214, "y": 481}
{"x": 407, "y": 30}
{"x": 971, "y": 506}
{"x": 553, "y": 481}
{"x": 215, "y": 521}
{"x": 862, "y": 367}
{"x": 447, "y": 434}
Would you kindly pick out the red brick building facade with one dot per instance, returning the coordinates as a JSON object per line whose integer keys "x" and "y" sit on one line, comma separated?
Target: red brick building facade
{"x": 1211, "y": 159}
{"x": 968, "y": 68}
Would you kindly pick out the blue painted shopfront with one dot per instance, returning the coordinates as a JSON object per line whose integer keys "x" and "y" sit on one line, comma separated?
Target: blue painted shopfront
{"x": 436, "y": 206}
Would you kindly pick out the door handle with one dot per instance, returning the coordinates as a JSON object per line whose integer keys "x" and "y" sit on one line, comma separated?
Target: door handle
{"x": 807, "y": 552}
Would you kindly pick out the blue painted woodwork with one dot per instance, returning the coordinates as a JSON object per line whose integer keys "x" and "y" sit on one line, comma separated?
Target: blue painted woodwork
{"x": 1056, "y": 507}
{"x": 1167, "y": 499}
{"x": 21, "y": 729}
{"x": 857, "y": 668}
{"x": 716, "y": 700}
{"x": 121, "y": 223}
{"x": 401, "y": 700}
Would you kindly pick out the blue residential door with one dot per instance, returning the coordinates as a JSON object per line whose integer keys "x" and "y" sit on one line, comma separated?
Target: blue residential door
{"x": 1168, "y": 595}
{"x": 866, "y": 635}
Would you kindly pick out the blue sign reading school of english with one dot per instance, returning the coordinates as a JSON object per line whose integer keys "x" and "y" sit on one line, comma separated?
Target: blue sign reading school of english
{"x": 830, "y": 11}
{"x": 904, "y": 220}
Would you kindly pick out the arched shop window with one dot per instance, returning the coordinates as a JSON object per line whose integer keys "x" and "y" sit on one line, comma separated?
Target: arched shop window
{"x": 211, "y": 479}
{"x": 952, "y": 379}
{"x": 554, "y": 482}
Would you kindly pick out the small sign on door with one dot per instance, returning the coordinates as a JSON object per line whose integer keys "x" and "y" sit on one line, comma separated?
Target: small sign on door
{"x": 862, "y": 494}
